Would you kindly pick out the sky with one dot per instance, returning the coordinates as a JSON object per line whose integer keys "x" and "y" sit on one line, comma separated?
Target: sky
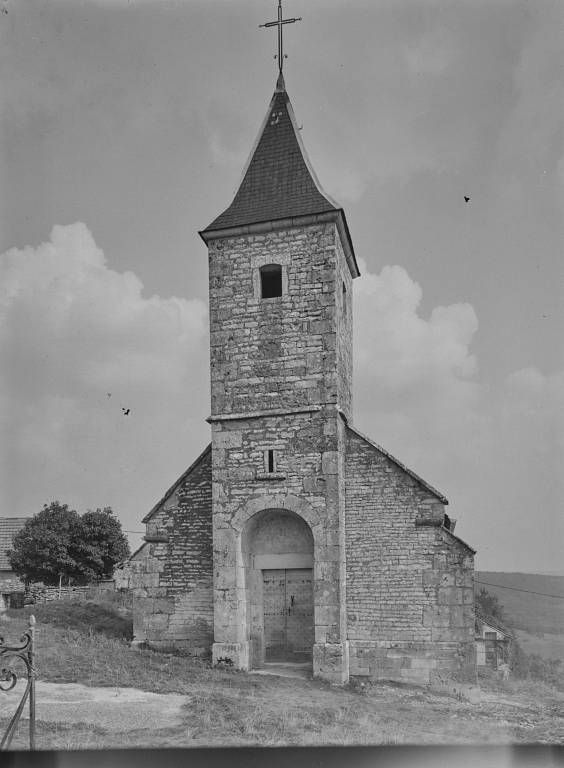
{"x": 124, "y": 129}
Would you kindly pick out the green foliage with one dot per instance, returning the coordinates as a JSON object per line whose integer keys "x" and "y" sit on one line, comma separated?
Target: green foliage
{"x": 529, "y": 610}
{"x": 49, "y": 546}
{"x": 531, "y": 666}
{"x": 58, "y": 544}
{"x": 489, "y": 605}
{"x": 105, "y": 542}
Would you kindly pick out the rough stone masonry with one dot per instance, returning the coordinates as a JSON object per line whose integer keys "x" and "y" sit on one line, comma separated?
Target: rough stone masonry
{"x": 293, "y": 536}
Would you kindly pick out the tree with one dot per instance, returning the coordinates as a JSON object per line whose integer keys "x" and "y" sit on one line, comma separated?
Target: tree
{"x": 45, "y": 549}
{"x": 57, "y": 543}
{"x": 106, "y": 543}
{"x": 489, "y": 605}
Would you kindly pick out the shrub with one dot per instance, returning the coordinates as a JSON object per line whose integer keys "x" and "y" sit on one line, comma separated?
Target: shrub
{"x": 531, "y": 666}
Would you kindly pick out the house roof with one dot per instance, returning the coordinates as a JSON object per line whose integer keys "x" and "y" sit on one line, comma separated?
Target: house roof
{"x": 131, "y": 557}
{"x": 174, "y": 486}
{"x": 278, "y": 181}
{"x": 9, "y": 526}
{"x": 493, "y": 623}
{"x": 399, "y": 464}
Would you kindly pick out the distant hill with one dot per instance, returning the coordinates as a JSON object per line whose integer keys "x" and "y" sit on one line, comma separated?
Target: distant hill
{"x": 533, "y": 613}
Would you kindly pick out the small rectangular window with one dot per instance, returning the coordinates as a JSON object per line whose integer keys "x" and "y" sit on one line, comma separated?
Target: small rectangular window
{"x": 271, "y": 281}
{"x": 270, "y": 467}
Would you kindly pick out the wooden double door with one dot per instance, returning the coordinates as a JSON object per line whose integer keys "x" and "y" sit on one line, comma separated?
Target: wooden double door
{"x": 288, "y": 614}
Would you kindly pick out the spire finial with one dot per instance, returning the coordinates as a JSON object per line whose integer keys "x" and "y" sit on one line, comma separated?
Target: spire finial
{"x": 280, "y": 21}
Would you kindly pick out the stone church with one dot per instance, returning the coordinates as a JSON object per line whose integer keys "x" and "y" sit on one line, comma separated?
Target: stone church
{"x": 293, "y": 536}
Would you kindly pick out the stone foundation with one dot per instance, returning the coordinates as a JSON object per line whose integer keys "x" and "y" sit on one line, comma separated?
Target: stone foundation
{"x": 331, "y": 662}
{"x": 418, "y": 663}
{"x": 237, "y": 653}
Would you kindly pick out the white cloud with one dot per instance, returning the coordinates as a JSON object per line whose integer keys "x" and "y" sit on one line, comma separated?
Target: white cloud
{"x": 497, "y": 451}
{"x": 79, "y": 342}
{"x": 403, "y": 355}
{"x": 73, "y": 331}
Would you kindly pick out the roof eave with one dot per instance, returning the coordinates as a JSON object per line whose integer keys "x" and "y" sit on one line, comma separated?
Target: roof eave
{"x": 458, "y": 539}
{"x": 175, "y": 485}
{"x": 441, "y": 497}
{"x": 252, "y": 228}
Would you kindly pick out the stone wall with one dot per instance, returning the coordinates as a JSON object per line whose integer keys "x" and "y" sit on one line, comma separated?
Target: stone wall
{"x": 343, "y": 288}
{"x": 172, "y": 578}
{"x": 11, "y": 588}
{"x": 409, "y": 580}
{"x": 9, "y": 583}
{"x": 280, "y": 369}
{"x": 279, "y": 352}
{"x": 306, "y": 482}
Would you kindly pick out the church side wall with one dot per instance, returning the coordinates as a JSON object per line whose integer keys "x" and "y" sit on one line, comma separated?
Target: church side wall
{"x": 172, "y": 587}
{"x": 409, "y": 587}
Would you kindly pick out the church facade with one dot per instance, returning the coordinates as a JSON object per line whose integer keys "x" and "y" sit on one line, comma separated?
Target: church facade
{"x": 294, "y": 537}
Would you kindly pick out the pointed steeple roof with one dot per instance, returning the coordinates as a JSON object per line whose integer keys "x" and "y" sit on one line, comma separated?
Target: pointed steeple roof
{"x": 278, "y": 182}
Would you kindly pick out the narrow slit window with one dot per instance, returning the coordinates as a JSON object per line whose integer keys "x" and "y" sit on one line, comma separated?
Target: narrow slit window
{"x": 344, "y": 299}
{"x": 270, "y": 461}
{"x": 271, "y": 281}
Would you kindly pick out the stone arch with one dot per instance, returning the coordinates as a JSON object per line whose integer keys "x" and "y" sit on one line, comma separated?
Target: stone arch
{"x": 286, "y": 501}
{"x": 276, "y": 547}
{"x": 276, "y": 532}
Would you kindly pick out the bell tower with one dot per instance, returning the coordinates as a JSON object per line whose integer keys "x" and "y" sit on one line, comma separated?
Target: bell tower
{"x": 281, "y": 265}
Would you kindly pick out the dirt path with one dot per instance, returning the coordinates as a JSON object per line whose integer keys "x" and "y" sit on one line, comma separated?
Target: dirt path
{"x": 268, "y": 710}
{"x": 113, "y": 709}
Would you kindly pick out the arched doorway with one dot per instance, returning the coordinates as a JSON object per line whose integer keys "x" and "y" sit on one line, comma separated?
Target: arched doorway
{"x": 277, "y": 548}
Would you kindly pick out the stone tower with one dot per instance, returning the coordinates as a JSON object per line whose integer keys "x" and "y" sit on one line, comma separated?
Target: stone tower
{"x": 281, "y": 265}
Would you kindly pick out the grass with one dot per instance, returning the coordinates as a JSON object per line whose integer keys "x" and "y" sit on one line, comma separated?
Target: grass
{"x": 547, "y": 645}
{"x": 88, "y": 616}
{"x": 81, "y": 642}
{"x": 524, "y": 609}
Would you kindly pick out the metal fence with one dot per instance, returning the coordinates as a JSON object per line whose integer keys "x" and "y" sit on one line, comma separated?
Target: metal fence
{"x": 10, "y": 656}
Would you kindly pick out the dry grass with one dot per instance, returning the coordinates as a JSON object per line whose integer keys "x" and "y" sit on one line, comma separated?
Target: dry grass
{"x": 232, "y": 708}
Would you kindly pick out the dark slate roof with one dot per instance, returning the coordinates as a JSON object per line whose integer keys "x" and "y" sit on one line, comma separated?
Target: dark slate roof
{"x": 9, "y": 526}
{"x": 278, "y": 181}
{"x": 491, "y": 622}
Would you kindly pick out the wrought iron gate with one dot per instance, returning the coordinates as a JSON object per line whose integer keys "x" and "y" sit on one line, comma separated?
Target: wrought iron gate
{"x": 9, "y": 678}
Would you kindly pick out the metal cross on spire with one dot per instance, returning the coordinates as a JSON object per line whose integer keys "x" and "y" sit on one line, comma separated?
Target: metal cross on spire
{"x": 279, "y": 23}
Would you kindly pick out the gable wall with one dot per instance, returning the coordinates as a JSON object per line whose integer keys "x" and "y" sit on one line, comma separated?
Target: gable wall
{"x": 409, "y": 588}
{"x": 172, "y": 588}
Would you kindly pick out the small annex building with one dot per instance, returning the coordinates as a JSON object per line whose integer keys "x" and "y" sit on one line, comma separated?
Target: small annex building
{"x": 493, "y": 642}
{"x": 293, "y": 536}
{"x": 11, "y": 586}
